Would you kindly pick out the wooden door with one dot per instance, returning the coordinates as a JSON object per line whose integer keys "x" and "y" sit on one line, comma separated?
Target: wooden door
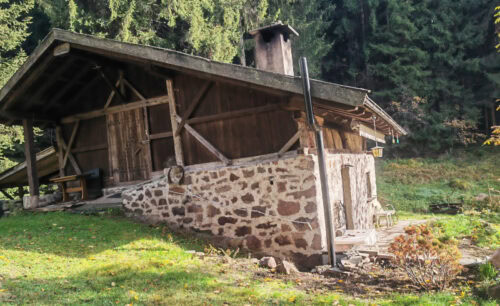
{"x": 129, "y": 146}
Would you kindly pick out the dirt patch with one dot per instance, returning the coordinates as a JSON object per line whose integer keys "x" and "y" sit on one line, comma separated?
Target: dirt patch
{"x": 380, "y": 279}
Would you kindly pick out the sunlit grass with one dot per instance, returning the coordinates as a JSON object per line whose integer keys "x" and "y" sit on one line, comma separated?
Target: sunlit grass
{"x": 61, "y": 258}
{"x": 412, "y": 184}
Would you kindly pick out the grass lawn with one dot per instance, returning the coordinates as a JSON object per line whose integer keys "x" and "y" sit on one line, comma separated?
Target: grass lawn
{"x": 414, "y": 183}
{"x": 61, "y": 258}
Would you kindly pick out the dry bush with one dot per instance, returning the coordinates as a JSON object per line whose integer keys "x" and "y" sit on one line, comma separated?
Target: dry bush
{"x": 429, "y": 263}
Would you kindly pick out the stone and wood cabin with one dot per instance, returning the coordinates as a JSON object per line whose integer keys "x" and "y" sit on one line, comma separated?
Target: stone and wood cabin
{"x": 249, "y": 170}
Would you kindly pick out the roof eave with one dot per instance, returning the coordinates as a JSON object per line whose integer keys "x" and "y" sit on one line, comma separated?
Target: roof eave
{"x": 382, "y": 114}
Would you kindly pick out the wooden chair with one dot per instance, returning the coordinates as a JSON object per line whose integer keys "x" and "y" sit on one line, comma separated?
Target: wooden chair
{"x": 386, "y": 211}
{"x": 72, "y": 178}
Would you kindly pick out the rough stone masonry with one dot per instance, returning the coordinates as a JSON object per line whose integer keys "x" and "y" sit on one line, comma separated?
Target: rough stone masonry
{"x": 272, "y": 208}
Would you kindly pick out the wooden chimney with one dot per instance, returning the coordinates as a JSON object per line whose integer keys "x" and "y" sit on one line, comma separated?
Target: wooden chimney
{"x": 273, "y": 48}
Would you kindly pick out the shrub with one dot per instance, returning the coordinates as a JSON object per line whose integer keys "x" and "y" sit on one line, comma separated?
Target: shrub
{"x": 428, "y": 262}
{"x": 487, "y": 271}
{"x": 460, "y": 184}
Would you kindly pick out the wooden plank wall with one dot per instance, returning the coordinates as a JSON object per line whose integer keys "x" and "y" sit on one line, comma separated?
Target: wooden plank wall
{"x": 247, "y": 136}
{"x": 90, "y": 146}
{"x": 252, "y": 135}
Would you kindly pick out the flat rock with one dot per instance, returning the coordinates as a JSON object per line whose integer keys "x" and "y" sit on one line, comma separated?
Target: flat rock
{"x": 268, "y": 262}
{"x": 287, "y": 268}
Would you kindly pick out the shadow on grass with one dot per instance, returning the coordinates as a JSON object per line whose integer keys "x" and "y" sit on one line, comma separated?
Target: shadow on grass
{"x": 113, "y": 284}
{"x": 80, "y": 236}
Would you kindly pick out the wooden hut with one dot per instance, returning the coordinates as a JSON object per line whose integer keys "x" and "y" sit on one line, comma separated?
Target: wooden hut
{"x": 250, "y": 170}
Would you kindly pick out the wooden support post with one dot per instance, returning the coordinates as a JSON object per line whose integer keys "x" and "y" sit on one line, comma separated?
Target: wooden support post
{"x": 179, "y": 158}
{"x": 29, "y": 152}
{"x": 306, "y": 138}
{"x": 60, "y": 150}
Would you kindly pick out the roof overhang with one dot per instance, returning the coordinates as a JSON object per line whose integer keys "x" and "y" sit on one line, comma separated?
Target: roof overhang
{"x": 150, "y": 56}
{"x": 46, "y": 163}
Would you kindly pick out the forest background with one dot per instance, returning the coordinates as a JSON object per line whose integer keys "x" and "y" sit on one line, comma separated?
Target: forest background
{"x": 432, "y": 64}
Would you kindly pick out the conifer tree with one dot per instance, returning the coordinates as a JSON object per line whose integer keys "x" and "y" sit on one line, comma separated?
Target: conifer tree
{"x": 311, "y": 19}
{"x": 14, "y": 22}
{"x": 209, "y": 28}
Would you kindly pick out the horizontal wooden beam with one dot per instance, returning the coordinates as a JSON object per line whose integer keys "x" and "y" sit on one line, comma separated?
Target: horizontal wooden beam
{"x": 235, "y": 114}
{"x": 90, "y": 148}
{"x": 116, "y": 109}
{"x": 161, "y": 135}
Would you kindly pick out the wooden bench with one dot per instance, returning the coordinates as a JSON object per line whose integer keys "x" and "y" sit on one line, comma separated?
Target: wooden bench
{"x": 67, "y": 190}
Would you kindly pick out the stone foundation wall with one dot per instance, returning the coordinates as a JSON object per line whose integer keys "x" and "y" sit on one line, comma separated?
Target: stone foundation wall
{"x": 267, "y": 208}
{"x": 270, "y": 208}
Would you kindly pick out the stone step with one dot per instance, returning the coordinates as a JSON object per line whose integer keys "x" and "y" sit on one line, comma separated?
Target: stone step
{"x": 353, "y": 238}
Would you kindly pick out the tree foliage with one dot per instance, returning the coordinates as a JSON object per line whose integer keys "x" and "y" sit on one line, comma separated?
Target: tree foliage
{"x": 495, "y": 137}
{"x": 436, "y": 52}
{"x": 311, "y": 19}
{"x": 209, "y": 28}
{"x": 431, "y": 63}
{"x": 14, "y": 21}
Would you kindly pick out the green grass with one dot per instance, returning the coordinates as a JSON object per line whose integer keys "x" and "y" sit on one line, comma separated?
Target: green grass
{"x": 61, "y": 258}
{"x": 484, "y": 234}
{"x": 412, "y": 184}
